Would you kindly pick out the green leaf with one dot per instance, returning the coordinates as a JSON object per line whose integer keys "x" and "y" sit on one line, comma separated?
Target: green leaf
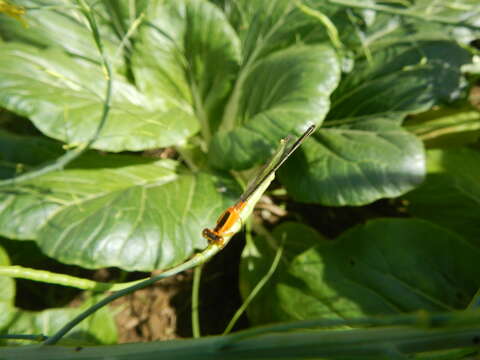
{"x": 284, "y": 92}
{"x": 362, "y": 154}
{"x": 64, "y": 99}
{"x": 120, "y": 17}
{"x": 450, "y": 195}
{"x": 129, "y": 212}
{"x": 372, "y": 25}
{"x": 8, "y": 293}
{"x": 99, "y": 328}
{"x": 387, "y": 266}
{"x": 404, "y": 78}
{"x": 267, "y": 26}
{"x": 188, "y": 53}
{"x": 19, "y": 154}
{"x": 57, "y": 25}
{"x": 354, "y": 164}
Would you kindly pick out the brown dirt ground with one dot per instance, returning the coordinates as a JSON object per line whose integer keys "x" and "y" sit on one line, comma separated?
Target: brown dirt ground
{"x": 163, "y": 311}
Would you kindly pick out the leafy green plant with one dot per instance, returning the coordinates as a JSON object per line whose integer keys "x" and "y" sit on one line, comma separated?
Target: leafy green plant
{"x": 220, "y": 83}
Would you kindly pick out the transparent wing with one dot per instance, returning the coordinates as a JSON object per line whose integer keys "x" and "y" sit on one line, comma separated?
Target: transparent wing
{"x": 287, "y": 146}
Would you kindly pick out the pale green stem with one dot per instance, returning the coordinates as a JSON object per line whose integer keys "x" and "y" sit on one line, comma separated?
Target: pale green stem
{"x": 255, "y": 291}
{"x": 197, "y": 276}
{"x": 21, "y": 272}
{"x": 39, "y": 337}
{"x": 329, "y": 25}
{"x": 135, "y": 24}
{"x": 196, "y": 260}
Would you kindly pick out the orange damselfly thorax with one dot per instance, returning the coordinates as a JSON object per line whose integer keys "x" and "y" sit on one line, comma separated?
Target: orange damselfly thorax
{"x": 224, "y": 223}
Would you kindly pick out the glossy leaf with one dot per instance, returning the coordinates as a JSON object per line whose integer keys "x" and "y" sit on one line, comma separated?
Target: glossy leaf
{"x": 99, "y": 328}
{"x": 374, "y": 25}
{"x": 129, "y": 212}
{"x": 362, "y": 154}
{"x": 8, "y": 293}
{"x": 267, "y": 26}
{"x": 450, "y": 195}
{"x": 58, "y": 25}
{"x": 188, "y": 53}
{"x": 354, "y": 164}
{"x": 403, "y": 78}
{"x": 285, "y": 78}
{"x": 64, "y": 98}
{"x": 284, "y": 93}
{"x": 19, "y": 153}
{"x": 384, "y": 267}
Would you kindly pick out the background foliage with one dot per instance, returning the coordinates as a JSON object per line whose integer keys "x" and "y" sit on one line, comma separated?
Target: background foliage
{"x": 219, "y": 83}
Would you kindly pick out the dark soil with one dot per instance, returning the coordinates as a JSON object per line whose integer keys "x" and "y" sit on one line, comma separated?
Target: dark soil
{"x": 163, "y": 311}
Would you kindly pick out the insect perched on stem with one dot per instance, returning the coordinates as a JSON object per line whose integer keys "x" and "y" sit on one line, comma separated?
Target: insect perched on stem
{"x": 231, "y": 216}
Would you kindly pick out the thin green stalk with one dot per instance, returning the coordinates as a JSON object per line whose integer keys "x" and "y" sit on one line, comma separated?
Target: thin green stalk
{"x": 69, "y": 156}
{"x": 360, "y": 37}
{"x": 196, "y": 260}
{"x": 402, "y": 12}
{"x": 197, "y": 276}
{"x": 329, "y": 25}
{"x": 50, "y": 7}
{"x": 125, "y": 40}
{"x": 58, "y": 164}
{"x": 39, "y": 337}
{"x": 463, "y": 121}
{"x": 255, "y": 291}
{"x": 44, "y": 276}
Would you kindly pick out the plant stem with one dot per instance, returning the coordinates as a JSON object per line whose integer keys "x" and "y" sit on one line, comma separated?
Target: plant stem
{"x": 197, "y": 259}
{"x": 255, "y": 291}
{"x": 39, "y": 337}
{"x": 21, "y": 272}
{"x": 327, "y": 23}
{"x": 197, "y": 276}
